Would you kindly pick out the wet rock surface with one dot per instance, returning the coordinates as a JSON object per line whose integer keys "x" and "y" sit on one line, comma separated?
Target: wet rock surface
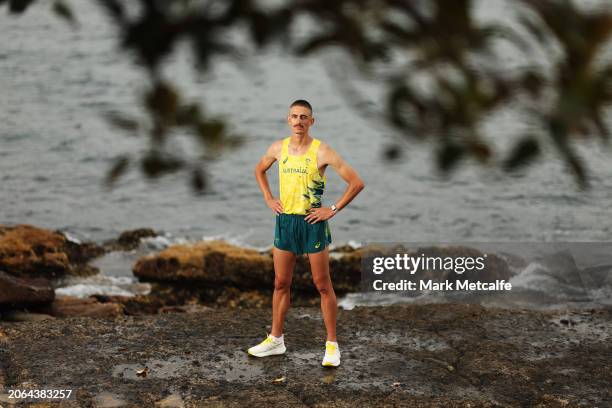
{"x": 20, "y": 291}
{"x": 68, "y": 306}
{"x": 184, "y": 298}
{"x": 129, "y": 240}
{"x": 218, "y": 274}
{"x": 426, "y": 356}
{"x": 217, "y": 262}
{"x": 211, "y": 262}
{"x": 26, "y": 250}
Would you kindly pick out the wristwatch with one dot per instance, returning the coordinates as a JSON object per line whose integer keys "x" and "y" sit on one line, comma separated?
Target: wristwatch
{"x": 334, "y": 208}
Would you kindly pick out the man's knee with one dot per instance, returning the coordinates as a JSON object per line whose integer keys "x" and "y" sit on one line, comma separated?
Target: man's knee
{"x": 282, "y": 284}
{"x": 323, "y": 285}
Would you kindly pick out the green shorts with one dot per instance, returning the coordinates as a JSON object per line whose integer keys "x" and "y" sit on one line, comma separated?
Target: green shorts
{"x": 293, "y": 234}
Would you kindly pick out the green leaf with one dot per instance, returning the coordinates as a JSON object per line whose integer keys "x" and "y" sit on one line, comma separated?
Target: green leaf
{"x": 63, "y": 11}
{"x": 123, "y": 122}
{"x": 19, "y": 6}
{"x": 114, "y": 8}
{"x": 449, "y": 156}
{"x": 163, "y": 101}
{"x": 156, "y": 164}
{"x": 118, "y": 169}
{"x": 392, "y": 152}
{"x": 198, "y": 179}
{"x": 523, "y": 153}
{"x": 188, "y": 115}
{"x": 579, "y": 170}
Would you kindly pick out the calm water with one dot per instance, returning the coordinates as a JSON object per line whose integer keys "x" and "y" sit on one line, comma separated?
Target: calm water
{"x": 55, "y": 146}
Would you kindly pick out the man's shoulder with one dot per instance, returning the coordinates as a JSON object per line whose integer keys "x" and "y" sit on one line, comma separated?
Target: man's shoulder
{"x": 326, "y": 155}
{"x": 325, "y": 148}
{"x": 277, "y": 144}
{"x": 276, "y": 147}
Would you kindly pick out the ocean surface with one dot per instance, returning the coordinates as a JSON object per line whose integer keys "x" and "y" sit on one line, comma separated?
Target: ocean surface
{"x": 57, "y": 83}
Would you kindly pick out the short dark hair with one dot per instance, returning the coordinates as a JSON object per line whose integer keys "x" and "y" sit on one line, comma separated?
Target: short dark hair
{"x": 303, "y": 103}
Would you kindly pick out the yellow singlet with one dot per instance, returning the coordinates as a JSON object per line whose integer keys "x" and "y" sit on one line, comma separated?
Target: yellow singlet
{"x": 301, "y": 184}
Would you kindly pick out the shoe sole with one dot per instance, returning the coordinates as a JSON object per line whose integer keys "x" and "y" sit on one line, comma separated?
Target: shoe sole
{"x": 268, "y": 353}
{"x": 330, "y": 364}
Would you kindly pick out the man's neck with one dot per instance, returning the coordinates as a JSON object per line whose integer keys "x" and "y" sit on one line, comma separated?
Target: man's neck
{"x": 300, "y": 140}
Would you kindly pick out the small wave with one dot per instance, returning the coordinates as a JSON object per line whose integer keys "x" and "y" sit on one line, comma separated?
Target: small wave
{"x": 82, "y": 290}
{"x": 72, "y": 238}
{"x": 601, "y": 295}
{"x": 160, "y": 242}
{"x": 102, "y": 285}
{"x": 555, "y": 275}
{"x": 354, "y": 244}
{"x": 238, "y": 240}
{"x": 531, "y": 278}
{"x": 351, "y": 300}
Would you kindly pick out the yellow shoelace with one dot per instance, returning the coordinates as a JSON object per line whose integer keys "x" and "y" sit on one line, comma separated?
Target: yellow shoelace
{"x": 330, "y": 348}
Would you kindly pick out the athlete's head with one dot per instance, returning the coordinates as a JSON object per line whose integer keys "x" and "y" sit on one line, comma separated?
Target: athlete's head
{"x": 300, "y": 117}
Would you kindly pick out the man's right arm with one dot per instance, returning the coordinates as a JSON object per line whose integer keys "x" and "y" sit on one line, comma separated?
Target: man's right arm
{"x": 271, "y": 155}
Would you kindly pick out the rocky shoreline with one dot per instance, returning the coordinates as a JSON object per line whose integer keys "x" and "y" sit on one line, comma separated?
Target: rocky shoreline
{"x": 183, "y": 344}
{"x": 182, "y": 277}
{"x": 414, "y": 356}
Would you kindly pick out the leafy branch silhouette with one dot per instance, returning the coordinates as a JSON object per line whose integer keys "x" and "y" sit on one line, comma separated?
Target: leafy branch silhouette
{"x": 403, "y": 44}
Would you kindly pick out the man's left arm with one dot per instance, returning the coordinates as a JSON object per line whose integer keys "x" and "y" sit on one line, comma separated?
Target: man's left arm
{"x": 329, "y": 157}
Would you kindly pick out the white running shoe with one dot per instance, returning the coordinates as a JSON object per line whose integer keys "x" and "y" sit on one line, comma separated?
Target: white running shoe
{"x": 269, "y": 347}
{"x": 332, "y": 355}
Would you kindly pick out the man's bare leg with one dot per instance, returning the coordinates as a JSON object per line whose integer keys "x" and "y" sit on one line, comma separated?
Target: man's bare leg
{"x": 319, "y": 265}
{"x": 284, "y": 261}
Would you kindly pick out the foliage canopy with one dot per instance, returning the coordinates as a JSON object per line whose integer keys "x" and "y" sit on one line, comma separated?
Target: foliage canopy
{"x": 403, "y": 43}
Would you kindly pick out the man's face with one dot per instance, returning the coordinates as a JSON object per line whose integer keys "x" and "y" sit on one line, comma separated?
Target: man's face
{"x": 300, "y": 120}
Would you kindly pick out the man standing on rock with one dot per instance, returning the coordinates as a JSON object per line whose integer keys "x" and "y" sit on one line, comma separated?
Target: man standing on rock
{"x": 301, "y": 222}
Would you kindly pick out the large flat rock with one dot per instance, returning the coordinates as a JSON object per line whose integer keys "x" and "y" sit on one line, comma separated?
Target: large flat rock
{"x": 420, "y": 356}
{"x": 220, "y": 263}
{"x": 20, "y": 291}
{"x": 69, "y": 306}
